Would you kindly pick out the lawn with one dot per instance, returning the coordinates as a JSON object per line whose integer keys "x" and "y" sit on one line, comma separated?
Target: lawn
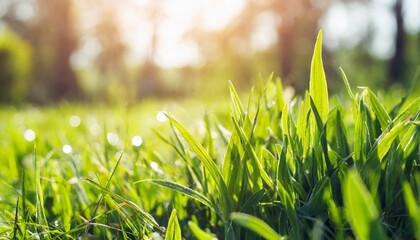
{"x": 313, "y": 166}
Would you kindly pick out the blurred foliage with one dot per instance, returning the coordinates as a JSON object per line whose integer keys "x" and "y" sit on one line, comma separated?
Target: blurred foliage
{"x": 80, "y": 50}
{"x": 15, "y": 67}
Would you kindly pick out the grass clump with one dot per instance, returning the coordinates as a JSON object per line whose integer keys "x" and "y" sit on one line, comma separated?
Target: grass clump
{"x": 273, "y": 168}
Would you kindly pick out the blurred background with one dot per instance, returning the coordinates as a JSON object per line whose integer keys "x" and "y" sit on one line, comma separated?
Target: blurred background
{"x": 128, "y": 50}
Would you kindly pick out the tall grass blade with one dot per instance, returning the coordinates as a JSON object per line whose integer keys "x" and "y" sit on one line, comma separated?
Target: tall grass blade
{"x": 287, "y": 200}
{"x": 256, "y": 225}
{"x": 318, "y": 82}
{"x": 184, "y": 190}
{"x": 378, "y": 109}
{"x": 39, "y": 192}
{"x": 208, "y": 164}
{"x": 237, "y": 108}
{"x": 173, "y": 231}
{"x": 413, "y": 208}
{"x": 200, "y": 234}
{"x": 103, "y": 195}
{"x": 361, "y": 210}
{"x": 145, "y": 216}
{"x": 254, "y": 159}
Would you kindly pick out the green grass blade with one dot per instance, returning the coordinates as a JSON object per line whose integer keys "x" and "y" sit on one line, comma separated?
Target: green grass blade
{"x": 145, "y": 216}
{"x": 413, "y": 208}
{"x": 361, "y": 210}
{"x": 286, "y": 198}
{"x": 256, "y": 225}
{"x": 318, "y": 83}
{"x": 237, "y": 108}
{"x": 200, "y": 234}
{"x": 378, "y": 109}
{"x": 39, "y": 193}
{"x": 173, "y": 231}
{"x": 279, "y": 95}
{"x": 360, "y": 136}
{"x": 254, "y": 159}
{"x": 209, "y": 164}
{"x": 182, "y": 189}
{"x": 385, "y": 140}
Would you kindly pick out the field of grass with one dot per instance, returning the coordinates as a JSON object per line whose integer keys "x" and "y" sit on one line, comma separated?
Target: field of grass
{"x": 313, "y": 166}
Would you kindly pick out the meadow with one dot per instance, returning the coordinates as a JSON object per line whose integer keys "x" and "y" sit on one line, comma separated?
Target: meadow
{"x": 262, "y": 167}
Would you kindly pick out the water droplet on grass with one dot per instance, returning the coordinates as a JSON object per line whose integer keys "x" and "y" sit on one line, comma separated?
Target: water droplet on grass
{"x": 161, "y": 117}
{"x": 137, "y": 141}
{"x": 155, "y": 167}
{"x": 74, "y": 121}
{"x": 29, "y": 135}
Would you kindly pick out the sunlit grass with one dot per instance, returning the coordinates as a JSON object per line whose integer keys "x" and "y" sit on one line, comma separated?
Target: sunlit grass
{"x": 270, "y": 166}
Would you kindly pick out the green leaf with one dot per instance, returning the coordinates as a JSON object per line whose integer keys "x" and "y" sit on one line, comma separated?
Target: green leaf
{"x": 318, "y": 83}
{"x": 209, "y": 164}
{"x": 173, "y": 231}
{"x": 256, "y": 225}
{"x": 200, "y": 234}
{"x": 361, "y": 209}
{"x": 413, "y": 208}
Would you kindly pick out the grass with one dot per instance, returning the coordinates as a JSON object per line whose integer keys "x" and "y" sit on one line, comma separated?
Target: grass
{"x": 309, "y": 167}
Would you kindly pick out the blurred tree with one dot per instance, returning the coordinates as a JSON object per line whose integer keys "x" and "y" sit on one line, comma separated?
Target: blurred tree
{"x": 111, "y": 59}
{"x": 15, "y": 67}
{"x": 50, "y": 30}
{"x": 149, "y": 82}
{"x": 397, "y": 62}
{"x": 57, "y": 16}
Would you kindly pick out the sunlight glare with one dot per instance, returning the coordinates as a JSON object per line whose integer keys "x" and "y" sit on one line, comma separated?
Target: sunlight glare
{"x": 74, "y": 121}
{"x": 137, "y": 141}
{"x": 67, "y": 149}
{"x": 113, "y": 138}
{"x": 29, "y": 135}
{"x": 161, "y": 117}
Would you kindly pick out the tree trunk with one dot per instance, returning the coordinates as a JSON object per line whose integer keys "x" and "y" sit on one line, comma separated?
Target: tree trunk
{"x": 65, "y": 81}
{"x": 397, "y": 62}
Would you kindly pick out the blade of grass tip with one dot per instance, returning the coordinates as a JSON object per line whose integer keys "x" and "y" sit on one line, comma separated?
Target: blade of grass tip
{"x": 103, "y": 194}
{"x": 200, "y": 234}
{"x": 173, "y": 231}
{"x": 238, "y": 109}
{"x": 361, "y": 210}
{"x": 209, "y": 164}
{"x": 318, "y": 83}
{"x": 346, "y": 82}
{"x": 378, "y": 109}
{"x": 256, "y": 225}
{"x": 413, "y": 208}
{"x": 184, "y": 190}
